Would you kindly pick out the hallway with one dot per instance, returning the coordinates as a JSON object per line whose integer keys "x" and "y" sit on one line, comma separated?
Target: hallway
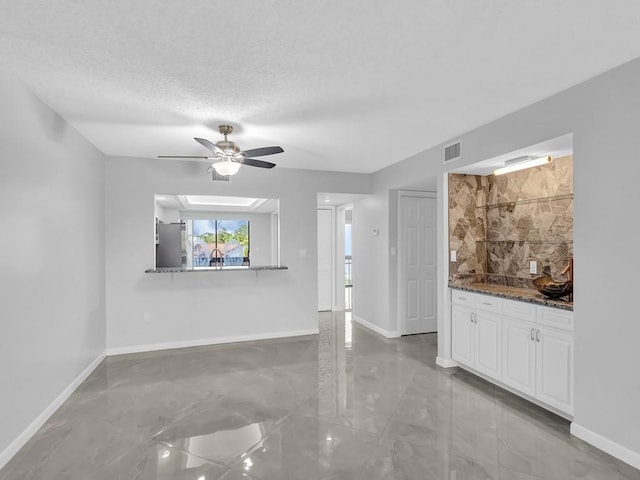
{"x": 345, "y": 404}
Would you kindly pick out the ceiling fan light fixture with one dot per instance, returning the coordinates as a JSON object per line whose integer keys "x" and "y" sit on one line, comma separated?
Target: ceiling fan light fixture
{"x": 228, "y": 158}
{"x": 226, "y": 167}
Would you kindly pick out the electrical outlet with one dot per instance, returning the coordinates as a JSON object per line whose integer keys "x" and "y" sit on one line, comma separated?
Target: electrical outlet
{"x": 146, "y": 317}
{"x": 454, "y": 256}
{"x": 533, "y": 266}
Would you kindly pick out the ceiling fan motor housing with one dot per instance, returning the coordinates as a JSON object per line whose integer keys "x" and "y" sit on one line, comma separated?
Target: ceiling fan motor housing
{"x": 227, "y": 156}
{"x": 228, "y": 146}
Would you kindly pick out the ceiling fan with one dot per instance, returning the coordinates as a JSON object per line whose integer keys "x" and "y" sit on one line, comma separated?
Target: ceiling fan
{"x": 227, "y": 157}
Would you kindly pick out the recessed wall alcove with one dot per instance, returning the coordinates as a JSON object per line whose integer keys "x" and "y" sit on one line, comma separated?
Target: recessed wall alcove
{"x": 499, "y": 224}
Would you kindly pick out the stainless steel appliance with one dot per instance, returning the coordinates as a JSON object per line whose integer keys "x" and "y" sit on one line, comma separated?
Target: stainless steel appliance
{"x": 170, "y": 246}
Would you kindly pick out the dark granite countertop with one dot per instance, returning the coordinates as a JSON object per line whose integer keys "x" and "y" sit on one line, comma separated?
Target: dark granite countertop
{"x": 513, "y": 293}
{"x": 215, "y": 269}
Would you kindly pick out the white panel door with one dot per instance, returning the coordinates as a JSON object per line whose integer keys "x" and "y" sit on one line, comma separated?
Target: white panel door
{"x": 417, "y": 265}
{"x": 462, "y": 335}
{"x": 519, "y": 355}
{"x": 489, "y": 344}
{"x": 554, "y": 368}
{"x": 325, "y": 259}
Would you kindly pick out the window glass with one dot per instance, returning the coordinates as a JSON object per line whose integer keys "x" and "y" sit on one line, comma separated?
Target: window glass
{"x": 218, "y": 242}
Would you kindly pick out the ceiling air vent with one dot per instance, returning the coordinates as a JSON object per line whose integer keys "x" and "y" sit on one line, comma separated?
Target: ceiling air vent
{"x": 452, "y": 152}
{"x": 216, "y": 177}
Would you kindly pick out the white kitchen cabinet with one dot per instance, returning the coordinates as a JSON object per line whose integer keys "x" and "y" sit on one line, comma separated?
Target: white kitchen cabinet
{"x": 488, "y": 331}
{"x": 554, "y": 368}
{"x": 463, "y": 339}
{"x": 476, "y": 338}
{"x": 520, "y": 310}
{"x": 525, "y": 347}
{"x": 538, "y": 360}
{"x": 488, "y": 303}
{"x": 519, "y": 355}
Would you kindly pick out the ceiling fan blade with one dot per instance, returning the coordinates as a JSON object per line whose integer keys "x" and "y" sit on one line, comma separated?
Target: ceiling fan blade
{"x": 261, "y": 152}
{"x": 210, "y": 145}
{"x": 181, "y": 156}
{"x": 252, "y": 162}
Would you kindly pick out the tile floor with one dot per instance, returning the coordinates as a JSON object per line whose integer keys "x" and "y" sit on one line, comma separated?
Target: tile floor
{"x": 346, "y": 404}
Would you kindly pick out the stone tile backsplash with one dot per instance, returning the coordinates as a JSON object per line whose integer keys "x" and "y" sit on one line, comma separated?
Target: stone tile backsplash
{"x": 498, "y": 224}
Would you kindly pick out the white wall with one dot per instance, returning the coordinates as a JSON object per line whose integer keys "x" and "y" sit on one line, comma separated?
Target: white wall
{"x": 376, "y": 294}
{"x": 168, "y": 215}
{"x": 51, "y": 262}
{"x": 370, "y": 261}
{"x": 259, "y": 231}
{"x": 603, "y": 116}
{"x": 215, "y": 306}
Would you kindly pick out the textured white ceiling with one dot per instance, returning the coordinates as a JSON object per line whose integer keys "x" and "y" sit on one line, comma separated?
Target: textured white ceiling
{"x": 340, "y": 85}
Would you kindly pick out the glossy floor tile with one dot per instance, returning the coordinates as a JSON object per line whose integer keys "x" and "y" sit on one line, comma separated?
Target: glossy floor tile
{"x": 344, "y": 404}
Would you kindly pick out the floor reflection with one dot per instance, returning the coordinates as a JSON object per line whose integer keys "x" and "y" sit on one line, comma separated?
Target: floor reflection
{"x": 344, "y": 404}
{"x": 222, "y": 445}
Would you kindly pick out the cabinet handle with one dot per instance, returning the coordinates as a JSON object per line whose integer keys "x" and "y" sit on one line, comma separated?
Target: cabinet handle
{"x": 532, "y": 338}
{"x": 486, "y": 303}
{"x": 462, "y": 298}
{"x": 538, "y": 335}
{"x": 472, "y": 314}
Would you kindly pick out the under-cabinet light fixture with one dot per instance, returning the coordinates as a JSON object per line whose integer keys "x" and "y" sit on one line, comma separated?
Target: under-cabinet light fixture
{"x": 521, "y": 163}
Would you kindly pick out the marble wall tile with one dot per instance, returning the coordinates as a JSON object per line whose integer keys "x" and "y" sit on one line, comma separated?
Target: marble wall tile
{"x": 467, "y": 223}
{"x": 499, "y": 224}
{"x": 544, "y": 181}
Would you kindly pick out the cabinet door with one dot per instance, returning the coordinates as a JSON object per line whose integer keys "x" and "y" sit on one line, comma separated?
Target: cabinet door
{"x": 462, "y": 335}
{"x": 489, "y": 344}
{"x": 554, "y": 368}
{"x": 518, "y": 355}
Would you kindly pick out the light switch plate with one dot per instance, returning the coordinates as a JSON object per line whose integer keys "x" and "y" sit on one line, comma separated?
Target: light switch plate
{"x": 454, "y": 256}
{"x": 533, "y": 266}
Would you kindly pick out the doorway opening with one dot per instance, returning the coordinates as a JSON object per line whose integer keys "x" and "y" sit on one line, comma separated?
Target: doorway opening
{"x": 326, "y": 248}
{"x": 336, "y": 220}
{"x": 348, "y": 260}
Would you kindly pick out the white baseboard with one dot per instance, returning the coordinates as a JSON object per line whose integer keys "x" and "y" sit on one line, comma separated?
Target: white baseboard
{"x": 606, "y": 445}
{"x": 375, "y": 328}
{"x": 208, "y": 341}
{"x": 8, "y": 453}
{"x": 446, "y": 362}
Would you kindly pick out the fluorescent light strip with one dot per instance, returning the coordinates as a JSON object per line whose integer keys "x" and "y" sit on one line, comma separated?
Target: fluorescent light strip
{"x": 521, "y": 165}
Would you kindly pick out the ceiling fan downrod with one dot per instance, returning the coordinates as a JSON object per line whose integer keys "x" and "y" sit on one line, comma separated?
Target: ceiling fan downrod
{"x": 225, "y": 130}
